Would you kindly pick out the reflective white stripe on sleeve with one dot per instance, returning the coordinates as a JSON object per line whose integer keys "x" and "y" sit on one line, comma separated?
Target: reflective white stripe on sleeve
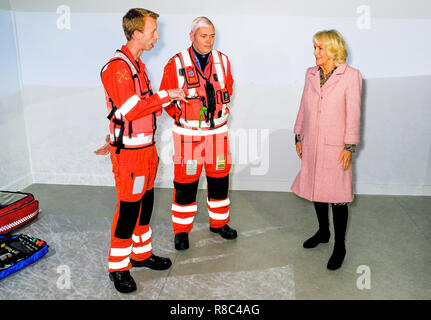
{"x": 166, "y": 104}
{"x": 218, "y": 204}
{"x": 191, "y": 208}
{"x": 143, "y": 249}
{"x": 146, "y": 235}
{"x": 186, "y": 58}
{"x": 182, "y": 221}
{"x": 119, "y": 265}
{"x": 119, "y": 252}
{"x": 127, "y": 106}
{"x": 218, "y": 216}
{"x": 162, "y": 94}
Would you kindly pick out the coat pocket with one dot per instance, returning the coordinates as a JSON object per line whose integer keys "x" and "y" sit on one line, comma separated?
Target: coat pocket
{"x": 332, "y": 149}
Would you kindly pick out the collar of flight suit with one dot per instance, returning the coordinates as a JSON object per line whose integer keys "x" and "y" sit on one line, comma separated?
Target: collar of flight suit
{"x": 129, "y": 55}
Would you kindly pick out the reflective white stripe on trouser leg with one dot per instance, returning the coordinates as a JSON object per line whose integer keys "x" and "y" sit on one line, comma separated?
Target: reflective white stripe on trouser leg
{"x": 182, "y": 220}
{"x": 218, "y": 203}
{"x": 183, "y": 209}
{"x": 143, "y": 249}
{"x": 135, "y": 238}
{"x": 144, "y": 237}
{"x": 120, "y": 252}
{"x": 119, "y": 265}
{"x": 188, "y": 208}
{"x": 218, "y": 216}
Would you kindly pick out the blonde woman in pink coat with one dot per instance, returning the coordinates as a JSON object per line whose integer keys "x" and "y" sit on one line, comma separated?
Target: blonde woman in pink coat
{"x": 326, "y": 133}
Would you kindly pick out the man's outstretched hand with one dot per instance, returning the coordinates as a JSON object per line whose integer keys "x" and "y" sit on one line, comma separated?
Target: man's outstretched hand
{"x": 103, "y": 151}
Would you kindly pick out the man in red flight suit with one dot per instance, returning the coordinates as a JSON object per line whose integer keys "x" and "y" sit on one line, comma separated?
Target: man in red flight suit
{"x": 200, "y": 132}
{"x": 132, "y": 109}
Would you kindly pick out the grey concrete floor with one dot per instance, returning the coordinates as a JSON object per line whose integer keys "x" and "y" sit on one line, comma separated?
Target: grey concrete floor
{"x": 388, "y": 246}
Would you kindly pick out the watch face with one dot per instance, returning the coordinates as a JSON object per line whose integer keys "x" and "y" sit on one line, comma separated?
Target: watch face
{"x": 191, "y": 73}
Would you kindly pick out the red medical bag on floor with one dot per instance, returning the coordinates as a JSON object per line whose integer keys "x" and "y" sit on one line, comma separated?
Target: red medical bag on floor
{"x": 16, "y": 209}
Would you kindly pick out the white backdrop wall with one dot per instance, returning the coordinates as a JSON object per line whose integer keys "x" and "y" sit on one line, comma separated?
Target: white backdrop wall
{"x": 15, "y": 170}
{"x": 63, "y": 44}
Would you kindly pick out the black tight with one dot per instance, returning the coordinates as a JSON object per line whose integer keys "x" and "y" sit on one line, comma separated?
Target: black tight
{"x": 339, "y": 215}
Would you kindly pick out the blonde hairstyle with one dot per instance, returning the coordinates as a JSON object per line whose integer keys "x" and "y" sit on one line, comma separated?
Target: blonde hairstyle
{"x": 200, "y": 22}
{"x": 134, "y": 20}
{"x": 335, "y": 45}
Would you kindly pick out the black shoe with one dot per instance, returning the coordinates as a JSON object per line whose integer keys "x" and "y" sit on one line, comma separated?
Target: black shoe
{"x": 123, "y": 281}
{"x": 181, "y": 241}
{"x": 153, "y": 262}
{"x": 319, "y": 237}
{"x": 226, "y": 232}
{"x": 336, "y": 259}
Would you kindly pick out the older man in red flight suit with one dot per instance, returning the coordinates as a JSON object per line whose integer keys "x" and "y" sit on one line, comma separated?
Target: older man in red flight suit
{"x": 132, "y": 109}
{"x": 200, "y": 132}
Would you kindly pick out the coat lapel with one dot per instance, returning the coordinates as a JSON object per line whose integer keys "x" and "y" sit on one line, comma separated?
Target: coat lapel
{"x": 315, "y": 79}
{"x": 334, "y": 78}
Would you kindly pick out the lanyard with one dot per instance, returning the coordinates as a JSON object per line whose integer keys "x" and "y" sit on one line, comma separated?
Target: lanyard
{"x": 198, "y": 66}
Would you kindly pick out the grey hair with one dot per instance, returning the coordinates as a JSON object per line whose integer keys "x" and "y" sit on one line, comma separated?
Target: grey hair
{"x": 200, "y": 22}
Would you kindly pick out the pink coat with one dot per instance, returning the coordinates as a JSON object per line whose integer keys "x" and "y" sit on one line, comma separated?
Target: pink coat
{"x": 328, "y": 118}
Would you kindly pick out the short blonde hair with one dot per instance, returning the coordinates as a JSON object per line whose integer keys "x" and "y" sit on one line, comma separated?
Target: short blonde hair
{"x": 335, "y": 45}
{"x": 134, "y": 20}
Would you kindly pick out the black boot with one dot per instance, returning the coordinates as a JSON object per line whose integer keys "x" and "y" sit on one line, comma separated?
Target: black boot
{"x": 322, "y": 235}
{"x": 226, "y": 232}
{"x": 153, "y": 262}
{"x": 181, "y": 241}
{"x": 340, "y": 216}
{"x": 123, "y": 281}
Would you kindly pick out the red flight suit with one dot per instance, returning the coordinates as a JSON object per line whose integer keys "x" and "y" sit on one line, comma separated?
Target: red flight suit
{"x": 132, "y": 109}
{"x": 200, "y": 136}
